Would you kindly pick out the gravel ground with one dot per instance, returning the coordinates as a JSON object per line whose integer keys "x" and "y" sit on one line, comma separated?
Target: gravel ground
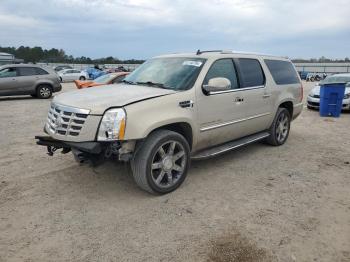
{"x": 258, "y": 203}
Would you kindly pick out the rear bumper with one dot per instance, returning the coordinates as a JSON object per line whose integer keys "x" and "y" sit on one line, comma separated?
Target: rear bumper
{"x": 297, "y": 108}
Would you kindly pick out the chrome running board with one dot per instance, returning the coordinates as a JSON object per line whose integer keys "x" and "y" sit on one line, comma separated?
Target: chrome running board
{"x": 217, "y": 150}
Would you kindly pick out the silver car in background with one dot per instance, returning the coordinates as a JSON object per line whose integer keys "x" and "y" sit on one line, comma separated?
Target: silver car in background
{"x": 67, "y": 75}
{"x": 313, "y": 99}
{"x": 23, "y": 79}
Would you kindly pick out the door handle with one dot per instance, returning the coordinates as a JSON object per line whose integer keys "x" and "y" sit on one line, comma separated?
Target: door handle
{"x": 239, "y": 99}
{"x": 266, "y": 95}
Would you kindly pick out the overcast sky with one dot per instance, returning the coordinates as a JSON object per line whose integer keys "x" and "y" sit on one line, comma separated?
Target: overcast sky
{"x": 142, "y": 28}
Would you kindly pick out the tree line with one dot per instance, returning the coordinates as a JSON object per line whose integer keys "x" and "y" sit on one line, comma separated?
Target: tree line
{"x": 322, "y": 59}
{"x": 37, "y": 54}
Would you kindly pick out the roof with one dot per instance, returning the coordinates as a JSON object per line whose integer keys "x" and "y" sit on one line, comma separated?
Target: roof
{"x": 22, "y": 65}
{"x": 221, "y": 53}
{"x": 6, "y": 54}
{"x": 341, "y": 75}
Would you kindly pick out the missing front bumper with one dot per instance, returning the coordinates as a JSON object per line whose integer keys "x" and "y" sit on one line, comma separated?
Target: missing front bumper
{"x": 93, "y": 152}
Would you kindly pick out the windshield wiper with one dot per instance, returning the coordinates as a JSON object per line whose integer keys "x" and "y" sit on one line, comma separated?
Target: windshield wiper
{"x": 128, "y": 82}
{"x": 150, "y": 83}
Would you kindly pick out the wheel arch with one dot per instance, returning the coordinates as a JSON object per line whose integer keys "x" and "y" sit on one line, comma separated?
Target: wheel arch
{"x": 183, "y": 128}
{"x": 287, "y": 105}
{"x": 43, "y": 84}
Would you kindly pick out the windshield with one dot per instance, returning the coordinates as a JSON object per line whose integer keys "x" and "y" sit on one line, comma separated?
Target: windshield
{"x": 335, "y": 79}
{"x": 171, "y": 73}
{"x": 104, "y": 79}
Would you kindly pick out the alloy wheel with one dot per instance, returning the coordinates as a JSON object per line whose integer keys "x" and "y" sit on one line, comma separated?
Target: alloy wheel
{"x": 282, "y": 127}
{"x": 45, "y": 92}
{"x": 168, "y": 164}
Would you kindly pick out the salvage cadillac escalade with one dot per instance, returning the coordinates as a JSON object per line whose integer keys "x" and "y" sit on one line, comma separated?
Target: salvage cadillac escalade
{"x": 175, "y": 108}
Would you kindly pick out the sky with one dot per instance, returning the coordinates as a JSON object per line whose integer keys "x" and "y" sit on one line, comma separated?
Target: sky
{"x": 141, "y": 29}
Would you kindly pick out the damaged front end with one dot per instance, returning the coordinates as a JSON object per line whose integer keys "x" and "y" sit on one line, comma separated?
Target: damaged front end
{"x": 94, "y": 153}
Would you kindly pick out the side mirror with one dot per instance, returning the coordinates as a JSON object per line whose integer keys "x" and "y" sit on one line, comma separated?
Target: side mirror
{"x": 217, "y": 84}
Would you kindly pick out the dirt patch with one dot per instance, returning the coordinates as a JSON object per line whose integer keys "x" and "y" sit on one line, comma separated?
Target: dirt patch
{"x": 236, "y": 248}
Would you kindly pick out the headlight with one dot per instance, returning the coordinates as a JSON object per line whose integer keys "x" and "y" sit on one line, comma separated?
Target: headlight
{"x": 112, "y": 126}
{"x": 347, "y": 96}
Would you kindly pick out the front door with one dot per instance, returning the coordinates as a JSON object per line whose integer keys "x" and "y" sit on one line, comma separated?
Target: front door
{"x": 215, "y": 110}
{"x": 8, "y": 82}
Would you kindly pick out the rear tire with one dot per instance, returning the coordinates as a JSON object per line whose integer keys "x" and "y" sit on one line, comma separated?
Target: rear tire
{"x": 160, "y": 164}
{"x": 279, "y": 130}
{"x": 82, "y": 78}
{"x": 44, "y": 91}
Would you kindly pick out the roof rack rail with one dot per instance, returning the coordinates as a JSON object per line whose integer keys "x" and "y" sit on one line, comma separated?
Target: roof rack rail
{"x": 199, "y": 52}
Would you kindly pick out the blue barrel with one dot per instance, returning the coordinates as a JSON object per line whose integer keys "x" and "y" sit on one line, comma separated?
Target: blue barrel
{"x": 331, "y": 99}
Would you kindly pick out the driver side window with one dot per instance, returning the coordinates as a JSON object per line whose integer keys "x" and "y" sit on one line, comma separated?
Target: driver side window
{"x": 223, "y": 68}
{"x": 8, "y": 72}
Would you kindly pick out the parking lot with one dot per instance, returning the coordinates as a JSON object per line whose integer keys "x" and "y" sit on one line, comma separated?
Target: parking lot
{"x": 258, "y": 203}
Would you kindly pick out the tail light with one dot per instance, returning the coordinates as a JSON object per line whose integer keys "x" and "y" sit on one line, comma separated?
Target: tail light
{"x": 301, "y": 95}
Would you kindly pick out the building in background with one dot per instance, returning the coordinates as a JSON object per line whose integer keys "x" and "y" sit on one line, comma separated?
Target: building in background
{"x": 6, "y": 58}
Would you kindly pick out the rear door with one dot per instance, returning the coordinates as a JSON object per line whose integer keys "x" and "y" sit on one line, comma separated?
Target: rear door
{"x": 68, "y": 75}
{"x": 253, "y": 97}
{"x": 75, "y": 74}
{"x": 8, "y": 81}
{"x": 27, "y": 78}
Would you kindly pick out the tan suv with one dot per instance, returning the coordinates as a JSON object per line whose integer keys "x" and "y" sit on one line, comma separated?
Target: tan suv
{"x": 175, "y": 108}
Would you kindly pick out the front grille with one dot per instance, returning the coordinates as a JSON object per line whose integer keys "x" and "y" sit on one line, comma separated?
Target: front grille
{"x": 66, "y": 121}
{"x": 313, "y": 103}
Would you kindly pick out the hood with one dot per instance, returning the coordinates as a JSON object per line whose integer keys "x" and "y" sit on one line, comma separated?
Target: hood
{"x": 98, "y": 99}
{"x": 316, "y": 90}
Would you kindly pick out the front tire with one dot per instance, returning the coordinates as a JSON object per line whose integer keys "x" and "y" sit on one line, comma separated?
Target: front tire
{"x": 160, "y": 164}
{"x": 279, "y": 130}
{"x": 44, "y": 92}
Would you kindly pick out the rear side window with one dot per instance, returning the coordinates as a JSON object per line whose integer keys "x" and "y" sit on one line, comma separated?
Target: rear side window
{"x": 251, "y": 72}
{"x": 26, "y": 71}
{"x": 40, "y": 71}
{"x": 222, "y": 68}
{"x": 282, "y": 72}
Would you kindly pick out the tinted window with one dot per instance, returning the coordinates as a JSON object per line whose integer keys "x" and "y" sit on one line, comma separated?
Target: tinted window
{"x": 251, "y": 72}
{"x": 282, "y": 72}
{"x": 27, "y": 71}
{"x": 40, "y": 71}
{"x": 75, "y": 71}
{"x": 223, "y": 68}
{"x": 8, "y": 72}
